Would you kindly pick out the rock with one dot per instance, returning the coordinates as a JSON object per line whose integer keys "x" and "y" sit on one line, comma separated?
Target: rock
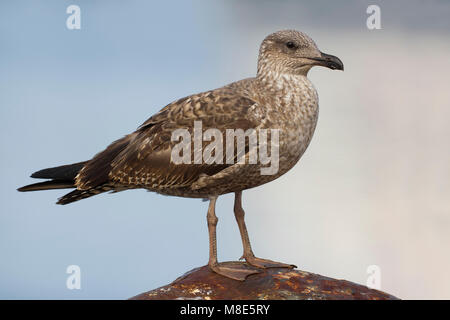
{"x": 272, "y": 283}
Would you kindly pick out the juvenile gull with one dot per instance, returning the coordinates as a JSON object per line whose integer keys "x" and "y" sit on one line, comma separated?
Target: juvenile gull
{"x": 279, "y": 97}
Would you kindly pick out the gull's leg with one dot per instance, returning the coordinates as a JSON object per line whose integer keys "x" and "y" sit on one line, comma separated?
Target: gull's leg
{"x": 237, "y": 272}
{"x": 248, "y": 253}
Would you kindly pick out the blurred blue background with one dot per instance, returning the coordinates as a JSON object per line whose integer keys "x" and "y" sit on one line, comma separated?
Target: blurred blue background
{"x": 372, "y": 189}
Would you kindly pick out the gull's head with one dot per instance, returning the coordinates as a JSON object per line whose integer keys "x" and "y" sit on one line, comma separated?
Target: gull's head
{"x": 293, "y": 52}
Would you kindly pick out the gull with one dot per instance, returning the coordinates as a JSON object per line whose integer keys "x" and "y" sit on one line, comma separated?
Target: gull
{"x": 280, "y": 97}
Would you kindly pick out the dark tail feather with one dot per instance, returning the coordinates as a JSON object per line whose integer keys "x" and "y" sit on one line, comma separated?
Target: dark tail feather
{"x": 66, "y": 172}
{"x": 76, "y": 195}
{"x": 61, "y": 177}
{"x": 48, "y": 185}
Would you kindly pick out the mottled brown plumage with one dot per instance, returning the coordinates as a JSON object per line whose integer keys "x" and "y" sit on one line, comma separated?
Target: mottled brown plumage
{"x": 279, "y": 97}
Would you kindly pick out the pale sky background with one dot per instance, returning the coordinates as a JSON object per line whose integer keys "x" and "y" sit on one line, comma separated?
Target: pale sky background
{"x": 373, "y": 188}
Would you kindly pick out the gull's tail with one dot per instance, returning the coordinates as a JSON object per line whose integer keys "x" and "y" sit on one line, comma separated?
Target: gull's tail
{"x": 61, "y": 177}
{"x": 94, "y": 175}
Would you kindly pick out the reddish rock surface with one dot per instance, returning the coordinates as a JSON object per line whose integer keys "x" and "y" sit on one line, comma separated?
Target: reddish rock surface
{"x": 273, "y": 283}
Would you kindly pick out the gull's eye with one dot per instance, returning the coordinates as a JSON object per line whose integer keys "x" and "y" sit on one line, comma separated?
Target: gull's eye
{"x": 291, "y": 45}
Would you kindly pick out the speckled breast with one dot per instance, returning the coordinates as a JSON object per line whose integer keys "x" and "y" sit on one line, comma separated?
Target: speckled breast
{"x": 293, "y": 110}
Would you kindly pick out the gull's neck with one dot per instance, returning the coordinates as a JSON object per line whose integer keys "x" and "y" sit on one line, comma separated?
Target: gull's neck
{"x": 280, "y": 80}
{"x": 273, "y": 73}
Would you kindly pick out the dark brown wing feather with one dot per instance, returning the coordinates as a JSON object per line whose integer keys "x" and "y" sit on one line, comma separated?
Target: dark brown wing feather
{"x": 95, "y": 172}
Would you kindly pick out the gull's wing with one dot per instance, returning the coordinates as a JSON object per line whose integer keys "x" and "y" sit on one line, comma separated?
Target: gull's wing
{"x": 143, "y": 158}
